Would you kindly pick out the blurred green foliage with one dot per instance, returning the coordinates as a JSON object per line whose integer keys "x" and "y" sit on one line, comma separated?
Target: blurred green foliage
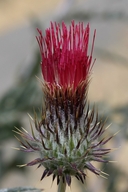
{"x": 21, "y": 189}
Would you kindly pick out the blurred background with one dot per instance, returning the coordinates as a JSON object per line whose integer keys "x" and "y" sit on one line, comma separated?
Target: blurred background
{"x": 20, "y": 91}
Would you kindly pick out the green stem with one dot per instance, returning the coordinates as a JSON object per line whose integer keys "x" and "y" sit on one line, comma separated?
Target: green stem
{"x": 62, "y": 186}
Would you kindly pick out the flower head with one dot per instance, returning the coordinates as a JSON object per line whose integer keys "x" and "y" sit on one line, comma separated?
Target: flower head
{"x": 69, "y": 135}
{"x": 65, "y": 59}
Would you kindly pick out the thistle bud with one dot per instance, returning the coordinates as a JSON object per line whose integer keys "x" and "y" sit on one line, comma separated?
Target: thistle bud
{"x": 69, "y": 135}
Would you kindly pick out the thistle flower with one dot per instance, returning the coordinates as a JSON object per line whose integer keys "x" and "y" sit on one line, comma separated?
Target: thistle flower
{"x": 69, "y": 135}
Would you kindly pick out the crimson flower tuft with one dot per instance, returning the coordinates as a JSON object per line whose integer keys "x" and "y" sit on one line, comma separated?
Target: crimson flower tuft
{"x": 65, "y": 60}
{"x": 70, "y": 134}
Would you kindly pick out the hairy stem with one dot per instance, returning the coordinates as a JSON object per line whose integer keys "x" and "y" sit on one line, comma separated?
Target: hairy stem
{"x": 62, "y": 186}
